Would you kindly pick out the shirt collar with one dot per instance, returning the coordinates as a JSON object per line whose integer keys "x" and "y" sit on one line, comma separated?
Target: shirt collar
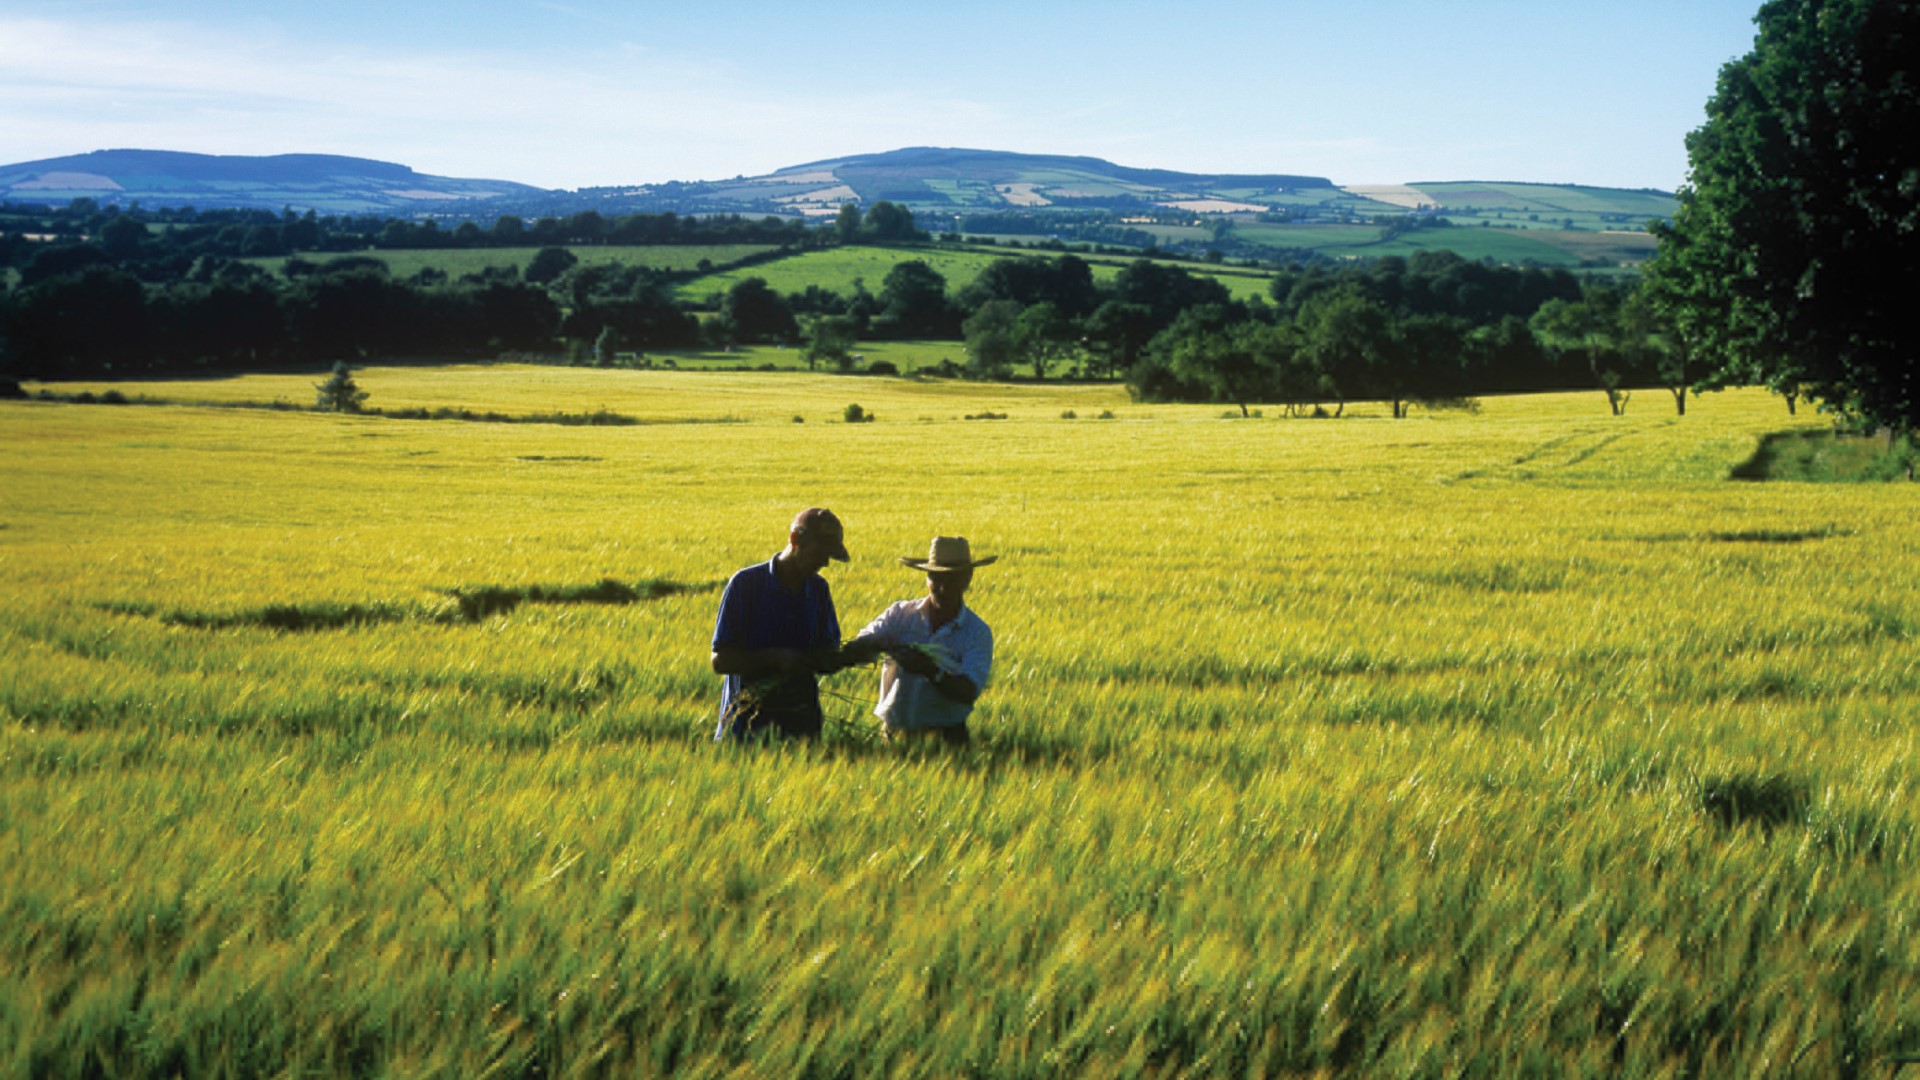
{"x": 964, "y": 614}
{"x": 773, "y": 571}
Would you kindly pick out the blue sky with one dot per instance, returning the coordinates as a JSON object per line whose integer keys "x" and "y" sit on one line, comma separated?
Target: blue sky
{"x": 570, "y": 93}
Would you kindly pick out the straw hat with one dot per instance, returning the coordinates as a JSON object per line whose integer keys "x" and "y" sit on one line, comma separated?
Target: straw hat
{"x": 947, "y": 554}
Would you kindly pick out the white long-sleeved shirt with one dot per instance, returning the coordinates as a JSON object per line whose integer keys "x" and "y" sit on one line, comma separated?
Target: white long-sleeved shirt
{"x": 908, "y": 701}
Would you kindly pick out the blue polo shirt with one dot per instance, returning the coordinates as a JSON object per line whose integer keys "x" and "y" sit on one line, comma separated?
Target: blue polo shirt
{"x": 758, "y": 612}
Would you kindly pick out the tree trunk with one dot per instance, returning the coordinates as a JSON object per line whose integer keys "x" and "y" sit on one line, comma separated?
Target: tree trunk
{"x": 1680, "y": 400}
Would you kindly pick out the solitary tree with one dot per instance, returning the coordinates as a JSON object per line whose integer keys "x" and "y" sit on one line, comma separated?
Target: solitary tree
{"x": 914, "y": 296}
{"x": 831, "y": 338}
{"x": 992, "y": 335}
{"x": 340, "y": 393}
{"x": 1347, "y": 334}
{"x": 1585, "y": 327}
{"x": 1043, "y": 336}
{"x": 1791, "y": 258}
{"x": 752, "y": 311}
{"x": 846, "y": 224}
{"x": 888, "y": 221}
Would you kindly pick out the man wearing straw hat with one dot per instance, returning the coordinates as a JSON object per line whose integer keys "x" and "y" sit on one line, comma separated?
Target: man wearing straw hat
{"x": 776, "y": 631}
{"x": 939, "y": 652}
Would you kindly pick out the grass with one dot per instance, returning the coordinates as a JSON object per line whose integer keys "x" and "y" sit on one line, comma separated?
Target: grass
{"x": 1467, "y": 744}
{"x": 1549, "y": 199}
{"x": 836, "y": 269}
{"x": 1466, "y": 239}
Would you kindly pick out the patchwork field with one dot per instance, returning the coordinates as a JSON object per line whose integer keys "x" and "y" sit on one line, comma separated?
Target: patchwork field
{"x": 1522, "y": 742}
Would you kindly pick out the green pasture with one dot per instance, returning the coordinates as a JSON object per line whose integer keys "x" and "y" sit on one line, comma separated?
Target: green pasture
{"x": 1470, "y": 242}
{"x": 836, "y": 269}
{"x": 1176, "y": 234}
{"x": 1308, "y": 236}
{"x": 1517, "y": 742}
{"x": 1619, "y": 245}
{"x": 1549, "y": 199}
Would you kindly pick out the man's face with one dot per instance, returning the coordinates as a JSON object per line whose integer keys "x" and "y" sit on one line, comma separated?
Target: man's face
{"x": 814, "y": 546}
{"x": 949, "y": 589}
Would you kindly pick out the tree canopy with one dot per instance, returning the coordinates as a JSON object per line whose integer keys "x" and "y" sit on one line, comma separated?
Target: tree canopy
{"x": 1791, "y": 257}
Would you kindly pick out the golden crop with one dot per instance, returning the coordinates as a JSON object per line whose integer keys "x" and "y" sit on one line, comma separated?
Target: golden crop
{"x": 1517, "y": 743}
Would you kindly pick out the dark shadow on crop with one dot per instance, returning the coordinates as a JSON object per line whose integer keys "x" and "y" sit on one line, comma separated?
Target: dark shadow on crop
{"x": 1737, "y": 799}
{"x": 1778, "y": 536}
{"x": 475, "y": 603}
{"x": 1503, "y": 577}
{"x": 470, "y": 605}
{"x": 1828, "y": 457}
{"x": 558, "y": 457}
{"x": 322, "y": 615}
{"x": 1741, "y": 536}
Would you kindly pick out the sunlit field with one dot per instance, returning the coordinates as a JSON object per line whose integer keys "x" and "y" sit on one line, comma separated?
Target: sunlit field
{"x": 1514, "y": 743}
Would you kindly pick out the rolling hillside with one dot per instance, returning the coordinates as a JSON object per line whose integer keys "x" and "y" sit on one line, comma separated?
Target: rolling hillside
{"x": 1263, "y": 217}
{"x": 322, "y": 182}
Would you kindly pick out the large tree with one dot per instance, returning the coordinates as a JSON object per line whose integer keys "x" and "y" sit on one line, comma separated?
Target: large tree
{"x": 1791, "y": 258}
{"x": 752, "y": 311}
{"x": 914, "y": 299}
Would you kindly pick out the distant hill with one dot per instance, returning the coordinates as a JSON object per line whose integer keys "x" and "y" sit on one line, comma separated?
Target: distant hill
{"x": 934, "y": 178}
{"x": 992, "y": 193}
{"x": 327, "y": 183}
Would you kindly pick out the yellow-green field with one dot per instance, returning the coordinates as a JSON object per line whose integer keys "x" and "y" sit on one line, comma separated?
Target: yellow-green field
{"x": 1518, "y": 743}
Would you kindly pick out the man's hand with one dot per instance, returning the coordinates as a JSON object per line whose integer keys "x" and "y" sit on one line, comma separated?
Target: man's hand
{"x": 825, "y": 660}
{"x": 755, "y": 663}
{"x": 914, "y": 661}
{"x": 853, "y": 653}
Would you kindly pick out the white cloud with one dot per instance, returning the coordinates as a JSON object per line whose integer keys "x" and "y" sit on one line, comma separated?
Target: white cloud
{"x": 613, "y": 114}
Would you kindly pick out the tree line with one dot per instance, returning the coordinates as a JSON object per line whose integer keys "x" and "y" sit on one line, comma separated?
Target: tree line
{"x": 163, "y": 243}
{"x": 110, "y": 292}
{"x": 1431, "y": 328}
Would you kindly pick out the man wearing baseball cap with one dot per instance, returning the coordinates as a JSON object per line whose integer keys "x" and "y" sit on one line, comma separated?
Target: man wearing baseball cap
{"x": 776, "y": 631}
{"x": 939, "y": 652}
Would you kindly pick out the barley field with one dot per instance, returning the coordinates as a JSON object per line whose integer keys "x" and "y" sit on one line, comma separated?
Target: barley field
{"x": 1517, "y": 743}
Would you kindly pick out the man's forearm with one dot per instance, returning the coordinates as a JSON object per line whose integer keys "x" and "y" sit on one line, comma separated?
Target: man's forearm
{"x": 734, "y": 661}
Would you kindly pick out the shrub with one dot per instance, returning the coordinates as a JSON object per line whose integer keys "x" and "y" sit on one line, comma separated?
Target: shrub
{"x": 854, "y": 414}
{"x": 883, "y": 367}
{"x": 340, "y": 393}
{"x": 1069, "y": 415}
